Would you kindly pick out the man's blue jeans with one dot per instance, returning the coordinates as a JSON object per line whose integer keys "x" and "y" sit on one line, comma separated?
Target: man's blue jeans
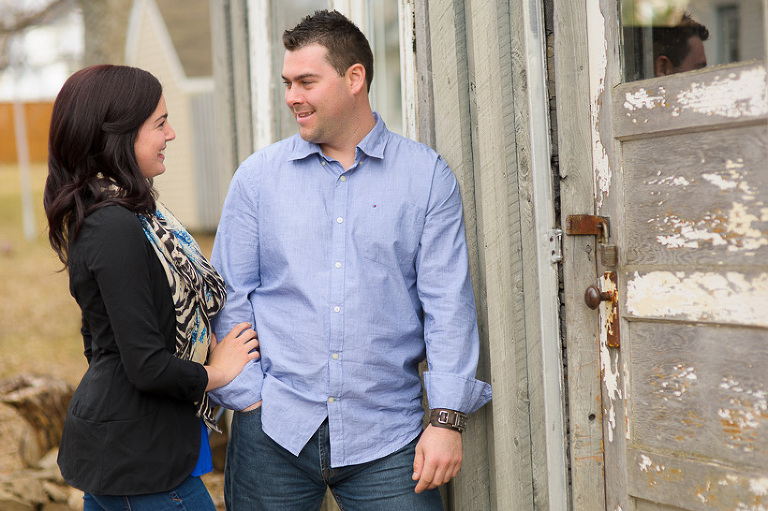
{"x": 191, "y": 495}
{"x": 263, "y": 476}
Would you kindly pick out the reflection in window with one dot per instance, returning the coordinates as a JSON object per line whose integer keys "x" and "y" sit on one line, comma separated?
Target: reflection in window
{"x": 662, "y": 37}
{"x": 728, "y": 21}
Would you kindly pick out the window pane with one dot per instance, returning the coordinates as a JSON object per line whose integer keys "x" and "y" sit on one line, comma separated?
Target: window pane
{"x": 384, "y": 35}
{"x": 662, "y": 37}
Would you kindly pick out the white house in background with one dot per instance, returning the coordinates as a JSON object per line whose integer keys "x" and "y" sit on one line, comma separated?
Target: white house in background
{"x": 172, "y": 40}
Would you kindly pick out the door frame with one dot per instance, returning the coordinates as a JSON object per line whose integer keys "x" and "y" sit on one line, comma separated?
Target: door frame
{"x": 580, "y": 75}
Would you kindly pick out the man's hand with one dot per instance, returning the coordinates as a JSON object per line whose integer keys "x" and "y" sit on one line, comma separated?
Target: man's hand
{"x": 438, "y": 457}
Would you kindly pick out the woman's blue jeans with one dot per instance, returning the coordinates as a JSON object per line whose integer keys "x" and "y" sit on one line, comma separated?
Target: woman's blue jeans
{"x": 262, "y": 476}
{"x": 191, "y": 495}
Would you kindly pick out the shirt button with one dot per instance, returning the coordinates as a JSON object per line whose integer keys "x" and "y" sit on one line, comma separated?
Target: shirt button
{"x": 322, "y": 163}
{"x": 338, "y": 265}
{"x": 337, "y": 309}
{"x": 331, "y": 400}
{"x": 335, "y": 356}
{"x": 339, "y": 220}
{"x": 343, "y": 178}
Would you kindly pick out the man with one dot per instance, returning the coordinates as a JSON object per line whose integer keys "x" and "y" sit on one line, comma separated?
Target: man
{"x": 344, "y": 246}
{"x": 679, "y": 48}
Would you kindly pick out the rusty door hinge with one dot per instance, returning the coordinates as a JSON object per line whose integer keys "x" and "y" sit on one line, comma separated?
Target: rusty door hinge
{"x": 594, "y": 225}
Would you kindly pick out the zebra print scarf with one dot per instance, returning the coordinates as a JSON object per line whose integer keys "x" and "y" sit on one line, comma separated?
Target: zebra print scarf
{"x": 198, "y": 290}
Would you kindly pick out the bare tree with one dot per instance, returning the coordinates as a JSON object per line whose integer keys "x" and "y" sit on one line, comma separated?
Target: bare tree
{"x": 105, "y": 23}
{"x": 16, "y": 17}
{"x": 106, "y": 29}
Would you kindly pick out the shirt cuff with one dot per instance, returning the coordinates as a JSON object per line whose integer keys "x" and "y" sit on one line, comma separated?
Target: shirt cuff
{"x": 455, "y": 392}
{"x": 241, "y": 392}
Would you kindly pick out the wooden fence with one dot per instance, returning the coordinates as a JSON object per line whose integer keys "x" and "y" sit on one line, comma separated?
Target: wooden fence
{"x": 38, "y": 120}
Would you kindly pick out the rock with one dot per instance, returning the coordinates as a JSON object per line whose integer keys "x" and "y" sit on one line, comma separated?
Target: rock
{"x": 10, "y": 502}
{"x": 29, "y": 488}
{"x": 56, "y": 492}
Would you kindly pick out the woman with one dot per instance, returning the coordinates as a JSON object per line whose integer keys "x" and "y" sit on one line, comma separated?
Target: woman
{"x": 135, "y": 434}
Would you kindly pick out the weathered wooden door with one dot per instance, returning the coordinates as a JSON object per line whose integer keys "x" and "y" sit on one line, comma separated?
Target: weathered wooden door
{"x": 679, "y": 167}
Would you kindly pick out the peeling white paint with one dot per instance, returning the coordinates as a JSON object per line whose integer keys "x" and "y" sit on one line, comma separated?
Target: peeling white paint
{"x": 688, "y": 233}
{"x": 598, "y": 63}
{"x": 733, "y": 97}
{"x": 609, "y": 362}
{"x": 643, "y": 99}
{"x": 645, "y": 463}
{"x": 677, "y": 383}
{"x": 740, "y": 228}
{"x": 729, "y": 297}
{"x": 670, "y": 180}
{"x": 759, "y": 486}
{"x": 746, "y": 414}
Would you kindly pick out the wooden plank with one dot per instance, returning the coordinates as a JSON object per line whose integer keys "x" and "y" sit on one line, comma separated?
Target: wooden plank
{"x": 572, "y": 92}
{"x": 717, "y": 96}
{"x": 727, "y": 297}
{"x": 226, "y": 147}
{"x": 690, "y": 484}
{"x": 240, "y": 51}
{"x": 523, "y": 24}
{"x": 472, "y": 488}
{"x": 494, "y": 125}
{"x": 687, "y": 401}
{"x": 717, "y": 217}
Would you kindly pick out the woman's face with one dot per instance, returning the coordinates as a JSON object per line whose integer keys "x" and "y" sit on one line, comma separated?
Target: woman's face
{"x": 151, "y": 140}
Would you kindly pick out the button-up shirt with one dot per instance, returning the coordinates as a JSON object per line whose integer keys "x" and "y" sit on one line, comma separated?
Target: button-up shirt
{"x": 351, "y": 277}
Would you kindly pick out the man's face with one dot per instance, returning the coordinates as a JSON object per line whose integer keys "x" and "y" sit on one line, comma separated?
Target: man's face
{"x": 318, "y": 97}
{"x": 696, "y": 59}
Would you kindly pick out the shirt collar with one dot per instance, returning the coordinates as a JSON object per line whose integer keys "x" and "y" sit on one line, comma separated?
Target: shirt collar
{"x": 372, "y": 145}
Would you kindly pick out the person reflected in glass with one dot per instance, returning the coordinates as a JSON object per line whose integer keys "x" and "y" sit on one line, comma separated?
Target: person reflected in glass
{"x": 135, "y": 435}
{"x": 680, "y": 48}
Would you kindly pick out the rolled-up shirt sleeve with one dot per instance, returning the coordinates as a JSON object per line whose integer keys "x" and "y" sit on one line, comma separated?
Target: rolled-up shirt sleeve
{"x": 236, "y": 257}
{"x": 445, "y": 291}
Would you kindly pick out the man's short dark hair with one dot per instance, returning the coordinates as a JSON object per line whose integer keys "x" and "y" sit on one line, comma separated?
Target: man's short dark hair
{"x": 345, "y": 43}
{"x": 672, "y": 42}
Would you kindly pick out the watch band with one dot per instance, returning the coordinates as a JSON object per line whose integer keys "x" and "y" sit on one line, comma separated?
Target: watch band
{"x": 451, "y": 419}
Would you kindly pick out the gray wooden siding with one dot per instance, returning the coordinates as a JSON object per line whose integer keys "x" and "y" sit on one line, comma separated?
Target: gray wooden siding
{"x": 483, "y": 130}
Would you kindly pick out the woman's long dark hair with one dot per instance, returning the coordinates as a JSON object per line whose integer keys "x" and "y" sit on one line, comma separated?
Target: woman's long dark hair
{"x": 95, "y": 119}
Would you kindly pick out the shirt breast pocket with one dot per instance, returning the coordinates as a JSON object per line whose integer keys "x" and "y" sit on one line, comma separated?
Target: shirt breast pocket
{"x": 389, "y": 234}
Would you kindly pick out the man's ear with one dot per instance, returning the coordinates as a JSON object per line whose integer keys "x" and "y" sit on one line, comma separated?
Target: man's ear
{"x": 662, "y": 66}
{"x": 356, "y": 78}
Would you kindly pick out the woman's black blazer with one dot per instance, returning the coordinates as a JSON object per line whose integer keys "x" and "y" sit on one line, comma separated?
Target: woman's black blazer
{"x": 131, "y": 426}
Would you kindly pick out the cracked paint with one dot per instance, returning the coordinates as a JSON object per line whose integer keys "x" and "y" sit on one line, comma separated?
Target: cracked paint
{"x": 643, "y": 99}
{"x": 747, "y": 412}
{"x": 609, "y": 362}
{"x": 674, "y": 384}
{"x": 733, "y": 96}
{"x": 744, "y": 227}
{"x": 729, "y": 297}
{"x": 598, "y": 59}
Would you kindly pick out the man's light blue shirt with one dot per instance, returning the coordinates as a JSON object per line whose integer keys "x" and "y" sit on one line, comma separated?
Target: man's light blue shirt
{"x": 350, "y": 278}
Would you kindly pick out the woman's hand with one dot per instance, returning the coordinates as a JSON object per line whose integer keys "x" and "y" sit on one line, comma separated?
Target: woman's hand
{"x": 227, "y": 358}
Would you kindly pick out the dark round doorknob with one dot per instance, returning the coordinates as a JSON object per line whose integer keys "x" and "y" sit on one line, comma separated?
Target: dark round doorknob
{"x": 593, "y": 297}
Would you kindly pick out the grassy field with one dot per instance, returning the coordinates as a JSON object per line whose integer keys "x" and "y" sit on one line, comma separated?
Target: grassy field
{"x": 39, "y": 320}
